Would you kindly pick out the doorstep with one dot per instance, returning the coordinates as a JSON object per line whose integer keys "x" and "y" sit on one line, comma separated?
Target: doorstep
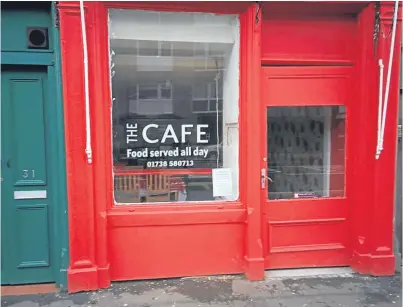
{"x": 28, "y": 289}
{"x": 310, "y": 272}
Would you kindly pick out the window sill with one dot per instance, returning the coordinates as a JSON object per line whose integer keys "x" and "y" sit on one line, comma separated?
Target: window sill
{"x": 152, "y": 215}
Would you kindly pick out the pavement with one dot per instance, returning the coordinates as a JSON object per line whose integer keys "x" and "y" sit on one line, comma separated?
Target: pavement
{"x": 324, "y": 291}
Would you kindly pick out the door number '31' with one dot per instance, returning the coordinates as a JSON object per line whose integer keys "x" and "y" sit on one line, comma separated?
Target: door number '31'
{"x": 26, "y": 173}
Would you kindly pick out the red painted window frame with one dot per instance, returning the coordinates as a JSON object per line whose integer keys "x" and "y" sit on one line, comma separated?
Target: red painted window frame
{"x": 102, "y": 49}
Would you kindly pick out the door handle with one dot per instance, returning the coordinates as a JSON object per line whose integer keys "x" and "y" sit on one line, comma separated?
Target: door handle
{"x": 263, "y": 178}
{"x": 8, "y": 163}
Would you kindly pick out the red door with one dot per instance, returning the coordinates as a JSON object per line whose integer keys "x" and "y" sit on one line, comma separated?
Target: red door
{"x": 304, "y": 186}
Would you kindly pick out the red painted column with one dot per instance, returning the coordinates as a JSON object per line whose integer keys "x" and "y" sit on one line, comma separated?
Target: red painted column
{"x": 382, "y": 256}
{"x": 372, "y": 190}
{"x": 363, "y": 131}
{"x": 250, "y": 145}
{"x": 98, "y": 55}
{"x": 82, "y": 271}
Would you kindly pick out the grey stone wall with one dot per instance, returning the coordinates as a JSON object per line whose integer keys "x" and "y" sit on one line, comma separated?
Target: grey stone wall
{"x": 398, "y": 195}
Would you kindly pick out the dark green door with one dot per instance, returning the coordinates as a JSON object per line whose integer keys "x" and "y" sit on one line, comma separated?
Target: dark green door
{"x": 26, "y": 210}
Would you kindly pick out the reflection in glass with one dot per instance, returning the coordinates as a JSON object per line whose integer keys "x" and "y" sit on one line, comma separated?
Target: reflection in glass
{"x": 160, "y": 187}
{"x": 306, "y": 152}
{"x": 174, "y": 89}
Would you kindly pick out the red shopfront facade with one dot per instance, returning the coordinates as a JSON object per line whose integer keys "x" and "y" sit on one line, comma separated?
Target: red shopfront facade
{"x": 227, "y": 138}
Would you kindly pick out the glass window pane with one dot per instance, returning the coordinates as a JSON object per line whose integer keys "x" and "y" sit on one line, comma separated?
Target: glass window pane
{"x": 200, "y": 105}
{"x": 148, "y": 91}
{"x": 213, "y": 105}
{"x": 200, "y": 91}
{"x": 167, "y": 132}
{"x": 306, "y": 152}
{"x": 146, "y": 188}
{"x": 148, "y": 48}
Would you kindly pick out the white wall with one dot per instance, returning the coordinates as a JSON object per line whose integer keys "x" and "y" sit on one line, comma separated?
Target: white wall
{"x": 231, "y": 112}
{"x": 178, "y": 27}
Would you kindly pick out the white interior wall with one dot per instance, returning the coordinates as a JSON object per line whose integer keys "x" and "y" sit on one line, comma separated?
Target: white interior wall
{"x": 178, "y": 27}
{"x": 231, "y": 112}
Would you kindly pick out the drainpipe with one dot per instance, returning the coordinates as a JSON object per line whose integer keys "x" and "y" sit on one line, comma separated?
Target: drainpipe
{"x": 88, "y": 147}
{"x": 386, "y": 100}
{"x": 380, "y": 103}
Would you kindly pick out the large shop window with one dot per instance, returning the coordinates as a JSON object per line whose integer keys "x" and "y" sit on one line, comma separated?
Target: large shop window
{"x": 175, "y": 88}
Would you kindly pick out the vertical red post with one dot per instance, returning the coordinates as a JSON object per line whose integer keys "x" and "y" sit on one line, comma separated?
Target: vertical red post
{"x": 82, "y": 271}
{"x": 101, "y": 133}
{"x": 363, "y": 110}
{"x": 251, "y": 109}
{"x": 372, "y": 189}
{"x": 382, "y": 256}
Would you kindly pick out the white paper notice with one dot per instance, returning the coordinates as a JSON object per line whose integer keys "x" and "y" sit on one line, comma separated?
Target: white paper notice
{"x": 222, "y": 182}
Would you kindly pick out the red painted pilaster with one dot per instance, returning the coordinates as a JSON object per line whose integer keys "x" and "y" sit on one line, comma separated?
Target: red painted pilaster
{"x": 101, "y": 133}
{"x": 382, "y": 256}
{"x": 373, "y": 187}
{"x": 364, "y": 112}
{"x": 250, "y": 95}
{"x": 82, "y": 271}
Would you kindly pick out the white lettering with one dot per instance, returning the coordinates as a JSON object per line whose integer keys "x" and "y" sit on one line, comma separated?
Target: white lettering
{"x": 145, "y": 137}
{"x": 128, "y": 153}
{"x": 131, "y": 133}
{"x": 184, "y": 132}
{"x": 169, "y": 133}
{"x": 165, "y": 153}
{"x": 137, "y": 154}
{"x": 200, "y": 133}
{"x": 200, "y": 152}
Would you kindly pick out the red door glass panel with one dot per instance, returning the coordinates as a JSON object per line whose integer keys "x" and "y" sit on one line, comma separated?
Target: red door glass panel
{"x": 304, "y": 166}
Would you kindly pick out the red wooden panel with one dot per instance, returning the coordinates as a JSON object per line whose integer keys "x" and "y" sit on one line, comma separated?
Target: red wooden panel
{"x": 311, "y": 9}
{"x": 169, "y": 251}
{"x": 332, "y": 257}
{"x": 306, "y": 86}
{"x": 304, "y": 39}
{"x": 300, "y": 209}
{"x": 306, "y": 235}
{"x": 121, "y": 218}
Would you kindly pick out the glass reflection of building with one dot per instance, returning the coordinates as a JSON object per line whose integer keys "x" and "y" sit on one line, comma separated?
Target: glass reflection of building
{"x": 166, "y": 83}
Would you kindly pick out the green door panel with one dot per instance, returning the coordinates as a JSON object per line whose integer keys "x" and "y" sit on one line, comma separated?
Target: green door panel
{"x": 28, "y": 127}
{"x": 26, "y": 209}
{"x": 32, "y": 250}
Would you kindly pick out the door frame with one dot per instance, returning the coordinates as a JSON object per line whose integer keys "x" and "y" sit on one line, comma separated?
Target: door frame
{"x": 57, "y": 165}
{"x": 342, "y": 203}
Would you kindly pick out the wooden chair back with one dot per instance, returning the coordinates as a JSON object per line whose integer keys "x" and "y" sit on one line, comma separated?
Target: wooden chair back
{"x": 127, "y": 188}
{"x": 157, "y": 188}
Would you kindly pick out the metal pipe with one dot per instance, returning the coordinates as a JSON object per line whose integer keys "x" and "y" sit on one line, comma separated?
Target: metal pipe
{"x": 88, "y": 147}
{"x": 380, "y": 102}
{"x": 388, "y": 77}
